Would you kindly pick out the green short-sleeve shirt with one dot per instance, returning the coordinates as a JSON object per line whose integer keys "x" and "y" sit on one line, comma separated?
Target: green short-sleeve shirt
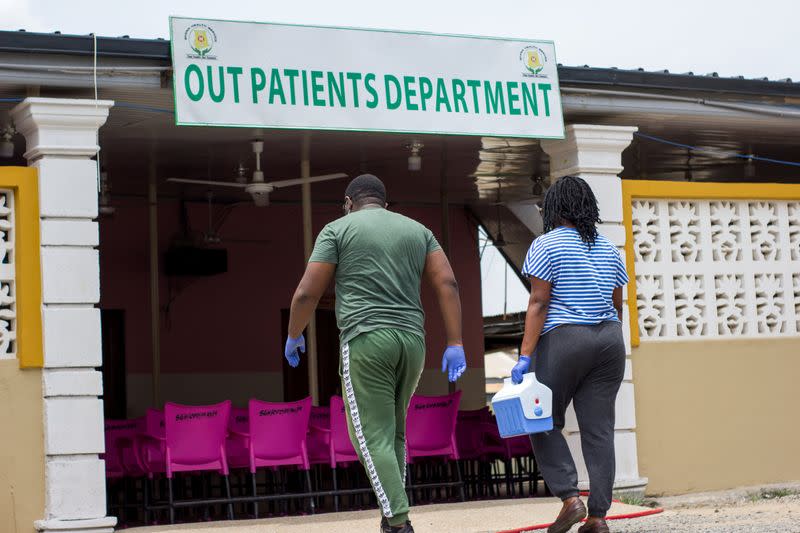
{"x": 379, "y": 257}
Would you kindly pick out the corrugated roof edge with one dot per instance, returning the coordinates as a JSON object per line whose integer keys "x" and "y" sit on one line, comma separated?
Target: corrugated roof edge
{"x": 57, "y": 43}
{"x": 664, "y": 79}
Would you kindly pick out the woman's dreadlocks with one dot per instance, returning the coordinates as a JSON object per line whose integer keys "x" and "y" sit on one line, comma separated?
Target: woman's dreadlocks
{"x": 570, "y": 199}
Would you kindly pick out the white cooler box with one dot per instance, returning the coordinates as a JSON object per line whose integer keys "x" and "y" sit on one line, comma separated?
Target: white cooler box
{"x": 523, "y": 409}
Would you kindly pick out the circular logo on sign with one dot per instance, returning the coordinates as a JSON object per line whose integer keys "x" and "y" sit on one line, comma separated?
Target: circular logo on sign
{"x": 533, "y": 59}
{"x": 201, "y": 40}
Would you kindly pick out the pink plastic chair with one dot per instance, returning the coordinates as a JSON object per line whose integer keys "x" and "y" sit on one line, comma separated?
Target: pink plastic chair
{"x": 341, "y": 447}
{"x": 121, "y": 465}
{"x": 470, "y": 439}
{"x": 195, "y": 442}
{"x": 341, "y": 452}
{"x": 431, "y": 426}
{"x": 431, "y": 432}
{"x": 519, "y": 450}
{"x": 238, "y": 444}
{"x": 278, "y": 438}
{"x": 119, "y": 441}
{"x": 470, "y": 433}
{"x": 519, "y": 446}
{"x": 319, "y": 436}
{"x": 150, "y": 444}
{"x": 149, "y": 451}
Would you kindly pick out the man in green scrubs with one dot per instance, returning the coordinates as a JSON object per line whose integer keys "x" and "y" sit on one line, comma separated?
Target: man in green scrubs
{"x": 378, "y": 259}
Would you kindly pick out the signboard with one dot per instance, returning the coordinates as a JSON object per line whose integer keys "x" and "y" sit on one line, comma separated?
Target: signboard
{"x": 310, "y": 77}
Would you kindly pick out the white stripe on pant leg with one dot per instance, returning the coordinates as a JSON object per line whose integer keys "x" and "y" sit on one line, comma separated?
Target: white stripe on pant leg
{"x": 405, "y": 462}
{"x": 362, "y": 442}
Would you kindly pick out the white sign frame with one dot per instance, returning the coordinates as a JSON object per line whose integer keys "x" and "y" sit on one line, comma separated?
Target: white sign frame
{"x": 496, "y": 90}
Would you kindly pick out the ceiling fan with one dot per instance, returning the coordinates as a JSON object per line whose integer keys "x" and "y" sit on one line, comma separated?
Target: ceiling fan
{"x": 187, "y": 237}
{"x": 257, "y": 188}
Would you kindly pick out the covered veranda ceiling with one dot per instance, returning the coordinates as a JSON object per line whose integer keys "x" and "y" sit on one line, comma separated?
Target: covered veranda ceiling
{"x": 755, "y": 117}
{"x": 141, "y": 127}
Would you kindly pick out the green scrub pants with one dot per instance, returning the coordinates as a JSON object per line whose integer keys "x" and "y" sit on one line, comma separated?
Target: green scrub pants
{"x": 380, "y": 370}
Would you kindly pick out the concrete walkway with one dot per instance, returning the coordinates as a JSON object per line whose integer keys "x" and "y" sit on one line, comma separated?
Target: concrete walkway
{"x": 473, "y": 517}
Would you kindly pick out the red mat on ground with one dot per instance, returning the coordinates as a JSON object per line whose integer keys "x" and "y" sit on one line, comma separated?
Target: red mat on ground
{"x": 623, "y": 516}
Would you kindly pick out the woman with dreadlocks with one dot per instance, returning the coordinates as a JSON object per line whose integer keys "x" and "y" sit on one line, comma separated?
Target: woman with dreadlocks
{"x": 573, "y": 326}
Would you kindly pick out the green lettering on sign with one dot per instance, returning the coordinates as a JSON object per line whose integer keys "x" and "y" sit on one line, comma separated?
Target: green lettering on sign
{"x": 354, "y": 77}
{"x": 407, "y": 82}
{"x": 459, "y": 89}
{"x": 441, "y": 95}
{"x": 494, "y": 98}
{"x": 425, "y": 91}
{"x": 292, "y": 75}
{"x": 317, "y": 88}
{"x": 258, "y": 80}
{"x": 187, "y": 75}
{"x": 545, "y": 88}
{"x": 336, "y": 88}
{"x": 529, "y": 99}
{"x": 305, "y": 87}
{"x": 393, "y": 81}
{"x": 474, "y": 85}
{"x": 235, "y": 72}
{"x": 369, "y": 83}
{"x": 216, "y": 97}
{"x": 513, "y": 97}
{"x": 276, "y": 87}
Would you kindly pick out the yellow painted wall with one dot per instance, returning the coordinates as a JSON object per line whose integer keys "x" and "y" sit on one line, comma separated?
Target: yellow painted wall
{"x": 717, "y": 414}
{"x": 21, "y": 448}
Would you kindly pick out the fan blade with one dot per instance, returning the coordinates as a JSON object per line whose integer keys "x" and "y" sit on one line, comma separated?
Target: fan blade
{"x": 224, "y": 240}
{"x": 310, "y": 179}
{"x": 208, "y": 182}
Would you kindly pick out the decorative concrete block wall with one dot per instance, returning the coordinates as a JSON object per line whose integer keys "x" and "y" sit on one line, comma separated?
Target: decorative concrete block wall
{"x": 709, "y": 268}
{"x": 8, "y": 285}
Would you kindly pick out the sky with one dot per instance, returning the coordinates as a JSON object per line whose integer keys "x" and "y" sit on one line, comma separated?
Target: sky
{"x": 729, "y": 37}
{"x": 732, "y": 37}
{"x": 501, "y": 290}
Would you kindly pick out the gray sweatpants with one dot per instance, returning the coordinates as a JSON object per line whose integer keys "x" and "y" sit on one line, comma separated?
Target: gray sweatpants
{"x": 585, "y": 365}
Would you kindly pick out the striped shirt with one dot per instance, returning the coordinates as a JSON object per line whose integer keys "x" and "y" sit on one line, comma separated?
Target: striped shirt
{"x": 582, "y": 277}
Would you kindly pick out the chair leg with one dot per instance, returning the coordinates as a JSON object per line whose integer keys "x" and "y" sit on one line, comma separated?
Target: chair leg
{"x": 254, "y": 489}
{"x": 335, "y": 490}
{"x": 228, "y": 496}
{"x": 460, "y": 481}
{"x": 171, "y": 501}
{"x": 310, "y": 489}
{"x": 410, "y": 478}
{"x": 146, "y": 500}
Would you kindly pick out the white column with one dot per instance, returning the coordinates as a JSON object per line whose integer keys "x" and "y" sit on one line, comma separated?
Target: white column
{"x": 594, "y": 153}
{"x": 61, "y": 136}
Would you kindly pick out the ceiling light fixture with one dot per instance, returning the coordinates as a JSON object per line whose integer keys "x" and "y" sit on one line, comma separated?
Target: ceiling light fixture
{"x": 241, "y": 173}
{"x": 415, "y": 159}
{"x": 105, "y": 206}
{"x": 538, "y": 187}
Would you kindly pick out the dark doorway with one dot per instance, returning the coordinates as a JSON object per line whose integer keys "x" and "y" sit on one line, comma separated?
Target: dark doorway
{"x": 295, "y": 380}
{"x": 114, "y": 393}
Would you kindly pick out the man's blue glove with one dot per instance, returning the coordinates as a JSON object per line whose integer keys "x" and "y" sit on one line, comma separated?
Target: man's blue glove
{"x": 454, "y": 362}
{"x": 520, "y": 369}
{"x": 293, "y": 349}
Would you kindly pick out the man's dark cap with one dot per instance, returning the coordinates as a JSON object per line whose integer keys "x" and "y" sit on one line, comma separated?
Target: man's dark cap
{"x": 366, "y": 186}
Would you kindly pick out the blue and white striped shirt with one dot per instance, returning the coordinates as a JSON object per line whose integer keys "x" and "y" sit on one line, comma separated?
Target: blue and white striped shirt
{"x": 582, "y": 277}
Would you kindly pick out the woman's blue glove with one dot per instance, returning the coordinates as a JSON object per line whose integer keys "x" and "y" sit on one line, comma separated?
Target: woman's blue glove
{"x": 454, "y": 362}
{"x": 520, "y": 369}
{"x": 293, "y": 349}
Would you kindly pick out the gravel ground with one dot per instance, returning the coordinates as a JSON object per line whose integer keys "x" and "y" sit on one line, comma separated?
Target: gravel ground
{"x": 755, "y": 510}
